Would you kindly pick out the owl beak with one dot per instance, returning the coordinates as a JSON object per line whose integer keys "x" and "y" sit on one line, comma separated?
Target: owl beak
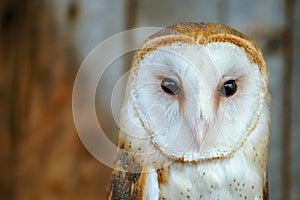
{"x": 200, "y": 136}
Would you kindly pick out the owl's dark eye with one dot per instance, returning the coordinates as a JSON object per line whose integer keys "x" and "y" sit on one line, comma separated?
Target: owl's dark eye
{"x": 169, "y": 86}
{"x": 228, "y": 89}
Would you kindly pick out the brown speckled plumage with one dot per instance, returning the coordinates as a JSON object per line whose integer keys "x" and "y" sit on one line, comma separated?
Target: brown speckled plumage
{"x": 128, "y": 180}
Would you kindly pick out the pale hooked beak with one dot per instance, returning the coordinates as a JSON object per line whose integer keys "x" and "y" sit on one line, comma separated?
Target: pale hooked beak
{"x": 201, "y": 134}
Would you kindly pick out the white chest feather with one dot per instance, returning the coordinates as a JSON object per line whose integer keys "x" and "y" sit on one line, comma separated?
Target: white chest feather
{"x": 233, "y": 178}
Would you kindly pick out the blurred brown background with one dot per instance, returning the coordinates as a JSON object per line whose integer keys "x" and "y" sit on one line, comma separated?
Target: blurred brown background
{"x": 43, "y": 42}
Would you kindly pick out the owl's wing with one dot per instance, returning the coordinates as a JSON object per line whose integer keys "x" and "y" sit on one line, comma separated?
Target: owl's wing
{"x": 127, "y": 183}
{"x": 266, "y": 189}
{"x": 125, "y": 186}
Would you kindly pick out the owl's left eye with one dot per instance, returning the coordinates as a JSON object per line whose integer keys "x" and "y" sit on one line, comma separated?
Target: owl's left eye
{"x": 170, "y": 86}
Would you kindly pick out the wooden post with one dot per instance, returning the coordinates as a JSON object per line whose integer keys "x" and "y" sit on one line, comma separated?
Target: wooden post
{"x": 287, "y": 99}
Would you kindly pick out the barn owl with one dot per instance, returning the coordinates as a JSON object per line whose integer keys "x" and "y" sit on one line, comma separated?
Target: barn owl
{"x": 195, "y": 119}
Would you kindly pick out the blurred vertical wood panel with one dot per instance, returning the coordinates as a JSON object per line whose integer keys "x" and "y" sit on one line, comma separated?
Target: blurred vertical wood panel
{"x": 288, "y": 47}
{"x": 8, "y": 17}
{"x": 41, "y": 155}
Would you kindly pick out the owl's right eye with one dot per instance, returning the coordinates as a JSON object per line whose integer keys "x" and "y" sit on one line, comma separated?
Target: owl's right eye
{"x": 170, "y": 86}
{"x": 228, "y": 89}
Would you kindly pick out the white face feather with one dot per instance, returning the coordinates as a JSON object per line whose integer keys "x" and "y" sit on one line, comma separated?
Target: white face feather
{"x": 197, "y": 123}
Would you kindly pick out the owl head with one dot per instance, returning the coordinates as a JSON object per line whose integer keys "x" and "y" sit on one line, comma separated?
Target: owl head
{"x": 197, "y": 89}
